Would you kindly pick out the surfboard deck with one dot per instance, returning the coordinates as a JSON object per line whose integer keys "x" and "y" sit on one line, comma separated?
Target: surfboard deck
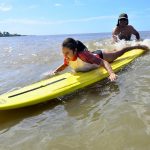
{"x": 61, "y": 84}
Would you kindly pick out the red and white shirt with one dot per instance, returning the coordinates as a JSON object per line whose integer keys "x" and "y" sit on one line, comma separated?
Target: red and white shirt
{"x": 84, "y": 61}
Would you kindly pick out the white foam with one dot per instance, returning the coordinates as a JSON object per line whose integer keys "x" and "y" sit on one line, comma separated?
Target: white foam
{"x": 107, "y": 44}
{"x": 146, "y": 42}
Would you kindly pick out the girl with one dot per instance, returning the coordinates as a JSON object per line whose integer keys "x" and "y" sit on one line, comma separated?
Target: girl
{"x": 77, "y": 56}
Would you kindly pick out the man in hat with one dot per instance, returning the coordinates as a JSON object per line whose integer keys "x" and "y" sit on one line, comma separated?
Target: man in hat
{"x": 123, "y": 30}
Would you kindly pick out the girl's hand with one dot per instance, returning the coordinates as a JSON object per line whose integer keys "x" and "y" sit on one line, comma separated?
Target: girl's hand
{"x": 113, "y": 77}
{"x": 48, "y": 75}
{"x": 53, "y": 73}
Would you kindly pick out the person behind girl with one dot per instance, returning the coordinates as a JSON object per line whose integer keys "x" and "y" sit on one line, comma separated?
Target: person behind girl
{"x": 123, "y": 30}
{"x": 77, "y": 56}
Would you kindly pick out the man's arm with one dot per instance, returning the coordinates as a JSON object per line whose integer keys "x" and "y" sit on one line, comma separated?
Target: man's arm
{"x": 135, "y": 32}
{"x": 114, "y": 35}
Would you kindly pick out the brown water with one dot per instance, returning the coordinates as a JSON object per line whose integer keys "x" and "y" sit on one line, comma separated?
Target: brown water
{"x": 104, "y": 116}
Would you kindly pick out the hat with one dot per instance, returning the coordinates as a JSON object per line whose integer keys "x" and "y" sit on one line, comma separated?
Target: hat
{"x": 123, "y": 16}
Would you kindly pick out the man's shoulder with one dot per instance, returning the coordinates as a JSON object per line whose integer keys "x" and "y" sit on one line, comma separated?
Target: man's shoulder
{"x": 115, "y": 29}
{"x": 130, "y": 26}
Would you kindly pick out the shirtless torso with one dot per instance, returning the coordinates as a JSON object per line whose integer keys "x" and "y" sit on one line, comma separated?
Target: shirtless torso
{"x": 125, "y": 33}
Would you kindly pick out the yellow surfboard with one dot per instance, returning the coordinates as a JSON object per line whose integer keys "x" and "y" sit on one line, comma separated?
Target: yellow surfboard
{"x": 61, "y": 84}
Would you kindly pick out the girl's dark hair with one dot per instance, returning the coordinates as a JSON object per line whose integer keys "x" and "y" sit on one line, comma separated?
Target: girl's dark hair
{"x": 73, "y": 44}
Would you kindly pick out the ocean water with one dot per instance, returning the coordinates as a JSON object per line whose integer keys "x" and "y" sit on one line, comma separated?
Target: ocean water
{"x": 106, "y": 115}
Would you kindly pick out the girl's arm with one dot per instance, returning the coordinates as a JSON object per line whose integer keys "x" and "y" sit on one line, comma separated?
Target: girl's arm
{"x": 60, "y": 68}
{"x": 92, "y": 59}
{"x": 107, "y": 66}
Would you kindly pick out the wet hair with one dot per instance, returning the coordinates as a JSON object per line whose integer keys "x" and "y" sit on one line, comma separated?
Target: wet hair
{"x": 74, "y": 44}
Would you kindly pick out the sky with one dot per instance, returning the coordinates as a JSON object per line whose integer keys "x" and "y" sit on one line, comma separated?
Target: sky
{"x": 50, "y": 17}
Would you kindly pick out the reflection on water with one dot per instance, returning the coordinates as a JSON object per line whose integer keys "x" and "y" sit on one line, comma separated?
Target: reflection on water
{"x": 106, "y": 115}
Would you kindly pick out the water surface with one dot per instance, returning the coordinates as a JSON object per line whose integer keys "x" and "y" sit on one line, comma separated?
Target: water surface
{"x": 106, "y": 115}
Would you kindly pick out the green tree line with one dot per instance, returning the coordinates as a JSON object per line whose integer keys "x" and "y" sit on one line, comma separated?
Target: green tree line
{"x": 7, "y": 34}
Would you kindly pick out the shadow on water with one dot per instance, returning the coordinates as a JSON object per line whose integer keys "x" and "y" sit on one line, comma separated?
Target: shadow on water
{"x": 85, "y": 97}
{"x": 90, "y": 100}
{"x": 9, "y": 118}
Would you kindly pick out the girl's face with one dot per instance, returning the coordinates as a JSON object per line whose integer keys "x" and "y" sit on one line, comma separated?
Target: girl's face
{"x": 69, "y": 54}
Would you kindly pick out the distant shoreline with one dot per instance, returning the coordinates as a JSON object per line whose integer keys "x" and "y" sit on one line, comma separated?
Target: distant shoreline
{"x": 7, "y": 34}
{"x": 10, "y": 35}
